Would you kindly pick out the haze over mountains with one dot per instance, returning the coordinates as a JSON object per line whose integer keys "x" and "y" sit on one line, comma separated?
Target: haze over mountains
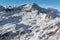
{"x": 31, "y": 22}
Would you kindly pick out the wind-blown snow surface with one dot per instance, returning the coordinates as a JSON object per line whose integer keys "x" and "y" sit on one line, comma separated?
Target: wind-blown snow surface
{"x": 31, "y": 22}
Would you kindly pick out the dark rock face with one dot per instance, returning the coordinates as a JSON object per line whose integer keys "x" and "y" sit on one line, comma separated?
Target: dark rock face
{"x": 8, "y": 9}
{"x": 2, "y": 8}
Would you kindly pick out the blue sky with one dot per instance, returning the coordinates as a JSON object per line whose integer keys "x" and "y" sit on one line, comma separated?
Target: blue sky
{"x": 43, "y": 3}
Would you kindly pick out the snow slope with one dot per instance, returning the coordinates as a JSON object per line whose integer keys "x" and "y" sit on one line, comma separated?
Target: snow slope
{"x": 31, "y": 22}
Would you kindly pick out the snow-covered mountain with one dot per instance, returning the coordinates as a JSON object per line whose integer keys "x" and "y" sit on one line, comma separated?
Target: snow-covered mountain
{"x": 29, "y": 22}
